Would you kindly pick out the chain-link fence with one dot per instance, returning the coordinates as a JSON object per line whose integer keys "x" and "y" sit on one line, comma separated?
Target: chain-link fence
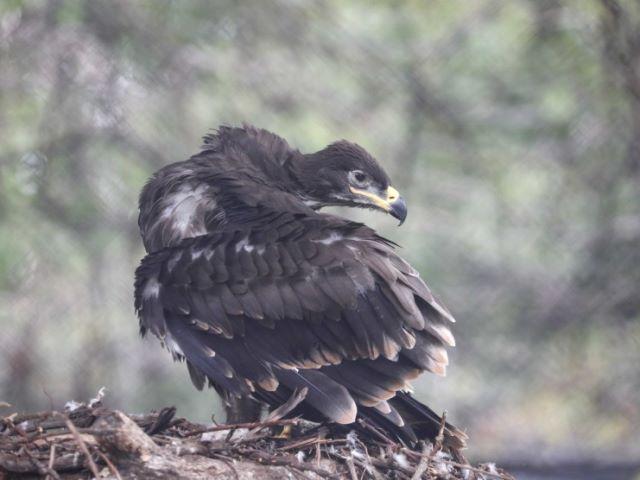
{"x": 512, "y": 128}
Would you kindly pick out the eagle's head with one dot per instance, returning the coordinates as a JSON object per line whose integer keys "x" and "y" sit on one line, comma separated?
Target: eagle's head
{"x": 345, "y": 174}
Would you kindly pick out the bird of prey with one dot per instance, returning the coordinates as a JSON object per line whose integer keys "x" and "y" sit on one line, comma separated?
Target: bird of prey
{"x": 262, "y": 294}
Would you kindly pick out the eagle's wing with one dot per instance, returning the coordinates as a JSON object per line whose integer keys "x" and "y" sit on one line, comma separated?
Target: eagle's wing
{"x": 315, "y": 302}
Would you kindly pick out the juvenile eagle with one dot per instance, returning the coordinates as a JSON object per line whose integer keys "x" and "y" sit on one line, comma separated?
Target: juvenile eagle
{"x": 262, "y": 294}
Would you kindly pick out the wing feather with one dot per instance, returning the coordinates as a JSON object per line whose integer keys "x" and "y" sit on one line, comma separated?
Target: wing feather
{"x": 299, "y": 301}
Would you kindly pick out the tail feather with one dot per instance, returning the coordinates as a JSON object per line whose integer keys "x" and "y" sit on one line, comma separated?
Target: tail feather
{"x": 387, "y": 424}
{"x": 425, "y": 423}
{"x": 407, "y": 420}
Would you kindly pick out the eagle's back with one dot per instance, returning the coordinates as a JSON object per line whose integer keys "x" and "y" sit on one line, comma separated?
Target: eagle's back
{"x": 259, "y": 144}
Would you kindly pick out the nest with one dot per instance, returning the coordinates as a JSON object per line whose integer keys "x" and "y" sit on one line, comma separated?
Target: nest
{"x": 92, "y": 441}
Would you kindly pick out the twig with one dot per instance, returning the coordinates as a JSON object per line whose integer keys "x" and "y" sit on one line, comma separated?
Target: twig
{"x": 286, "y": 461}
{"x": 367, "y": 426}
{"x": 374, "y": 472}
{"x": 305, "y": 443}
{"x": 229, "y": 464}
{"x": 369, "y": 466}
{"x": 318, "y": 454}
{"x": 352, "y": 467}
{"x": 250, "y": 425}
{"x": 110, "y": 465}
{"x": 424, "y": 463}
{"x": 465, "y": 466}
{"x": 52, "y": 459}
{"x": 42, "y": 470}
{"x": 379, "y": 463}
{"x": 242, "y": 441}
{"x": 298, "y": 474}
{"x": 44, "y": 390}
{"x": 474, "y": 469}
{"x": 437, "y": 445}
{"x": 82, "y": 445}
{"x": 9, "y": 422}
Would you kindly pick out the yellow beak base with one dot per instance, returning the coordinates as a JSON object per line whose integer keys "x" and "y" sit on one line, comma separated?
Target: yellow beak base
{"x": 385, "y": 204}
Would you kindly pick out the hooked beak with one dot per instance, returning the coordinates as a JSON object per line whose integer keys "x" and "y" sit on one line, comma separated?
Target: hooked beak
{"x": 392, "y": 202}
{"x": 398, "y": 209}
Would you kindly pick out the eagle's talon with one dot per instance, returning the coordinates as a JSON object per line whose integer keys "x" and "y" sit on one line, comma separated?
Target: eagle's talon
{"x": 285, "y": 433}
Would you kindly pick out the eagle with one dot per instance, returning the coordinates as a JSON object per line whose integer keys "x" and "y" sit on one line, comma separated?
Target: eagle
{"x": 263, "y": 295}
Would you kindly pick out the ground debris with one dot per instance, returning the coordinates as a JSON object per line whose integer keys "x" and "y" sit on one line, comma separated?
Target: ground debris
{"x": 89, "y": 441}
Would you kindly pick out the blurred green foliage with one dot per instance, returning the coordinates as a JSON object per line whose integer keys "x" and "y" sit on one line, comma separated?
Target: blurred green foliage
{"x": 512, "y": 128}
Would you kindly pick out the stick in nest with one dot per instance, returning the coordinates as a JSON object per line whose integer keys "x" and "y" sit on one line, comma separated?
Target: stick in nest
{"x": 437, "y": 446}
{"x": 52, "y": 460}
{"x": 424, "y": 462}
{"x": 235, "y": 426}
{"x": 476, "y": 470}
{"x": 82, "y": 445}
{"x": 42, "y": 469}
{"x": 110, "y": 465}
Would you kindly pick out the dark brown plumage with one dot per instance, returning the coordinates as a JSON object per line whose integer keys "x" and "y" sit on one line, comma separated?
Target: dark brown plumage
{"x": 262, "y": 294}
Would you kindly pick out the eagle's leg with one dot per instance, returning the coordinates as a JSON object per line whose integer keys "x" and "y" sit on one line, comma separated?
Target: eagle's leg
{"x": 242, "y": 409}
{"x": 285, "y": 432}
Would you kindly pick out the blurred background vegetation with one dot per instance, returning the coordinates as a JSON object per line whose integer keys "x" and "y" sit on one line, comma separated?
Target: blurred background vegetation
{"x": 512, "y": 128}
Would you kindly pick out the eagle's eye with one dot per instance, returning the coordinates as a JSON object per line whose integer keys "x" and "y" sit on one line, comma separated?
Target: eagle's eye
{"x": 358, "y": 178}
